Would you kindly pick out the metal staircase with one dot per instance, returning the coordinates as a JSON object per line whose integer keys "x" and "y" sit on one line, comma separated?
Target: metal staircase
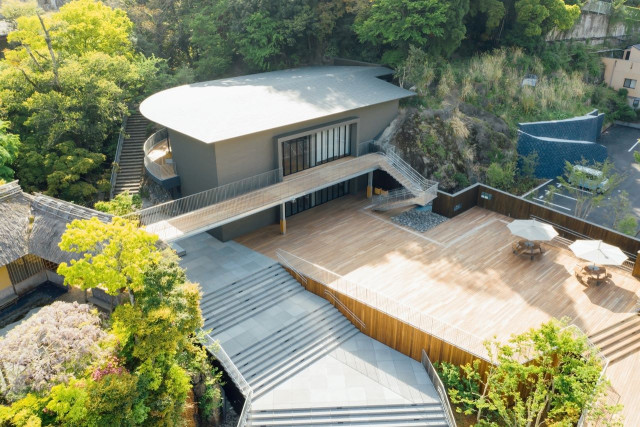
{"x": 130, "y": 158}
{"x": 417, "y": 190}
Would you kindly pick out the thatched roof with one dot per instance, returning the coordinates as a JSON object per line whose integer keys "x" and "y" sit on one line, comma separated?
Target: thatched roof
{"x": 50, "y": 219}
{"x": 15, "y": 211}
{"x": 34, "y": 224}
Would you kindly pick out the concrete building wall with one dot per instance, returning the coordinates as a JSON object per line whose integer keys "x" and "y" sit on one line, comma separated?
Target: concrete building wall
{"x": 616, "y": 70}
{"x": 195, "y": 163}
{"x": 203, "y": 166}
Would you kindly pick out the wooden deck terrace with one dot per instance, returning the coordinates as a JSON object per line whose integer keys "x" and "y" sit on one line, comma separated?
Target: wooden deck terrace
{"x": 462, "y": 272}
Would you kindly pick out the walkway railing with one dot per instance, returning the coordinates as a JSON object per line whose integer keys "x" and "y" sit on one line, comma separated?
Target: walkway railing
{"x": 440, "y": 389}
{"x": 220, "y": 205}
{"x": 234, "y": 373}
{"x": 159, "y": 171}
{"x": 429, "y": 324}
{"x": 185, "y": 205}
{"x": 116, "y": 159}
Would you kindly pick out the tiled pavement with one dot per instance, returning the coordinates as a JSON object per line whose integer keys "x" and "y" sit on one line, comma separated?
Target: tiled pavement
{"x": 214, "y": 264}
{"x": 354, "y": 371}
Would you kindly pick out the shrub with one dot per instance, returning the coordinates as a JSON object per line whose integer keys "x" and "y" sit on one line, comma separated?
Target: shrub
{"x": 52, "y": 346}
{"x": 124, "y": 203}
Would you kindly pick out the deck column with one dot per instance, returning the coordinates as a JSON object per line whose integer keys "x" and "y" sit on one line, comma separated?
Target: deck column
{"x": 283, "y": 220}
{"x": 636, "y": 267}
{"x": 369, "y": 185}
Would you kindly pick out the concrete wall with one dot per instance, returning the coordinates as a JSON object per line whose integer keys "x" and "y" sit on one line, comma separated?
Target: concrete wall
{"x": 245, "y": 225}
{"x": 590, "y": 26}
{"x": 195, "y": 163}
{"x": 616, "y": 70}
{"x": 552, "y": 154}
{"x": 203, "y": 166}
{"x": 583, "y": 128}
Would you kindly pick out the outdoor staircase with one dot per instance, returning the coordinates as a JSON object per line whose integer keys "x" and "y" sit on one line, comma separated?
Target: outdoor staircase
{"x": 619, "y": 340}
{"x": 417, "y": 190}
{"x": 131, "y": 161}
{"x": 288, "y": 350}
{"x": 424, "y": 414}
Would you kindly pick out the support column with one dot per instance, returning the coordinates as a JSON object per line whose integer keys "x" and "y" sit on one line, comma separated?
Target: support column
{"x": 283, "y": 220}
{"x": 369, "y": 185}
{"x": 636, "y": 267}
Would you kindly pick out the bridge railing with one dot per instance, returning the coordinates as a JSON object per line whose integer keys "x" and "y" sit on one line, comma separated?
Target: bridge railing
{"x": 206, "y": 198}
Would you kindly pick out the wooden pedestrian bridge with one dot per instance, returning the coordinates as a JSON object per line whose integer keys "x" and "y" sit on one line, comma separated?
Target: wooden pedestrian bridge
{"x": 221, "y": 205}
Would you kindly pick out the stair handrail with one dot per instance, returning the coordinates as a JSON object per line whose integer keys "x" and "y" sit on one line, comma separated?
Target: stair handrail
{"x": 232, "y": 370}
{"x": 441, "y": 329}
{"x": 392, "y": 196}
{"x": 440, "y": 388}
{"x": 345, "y": 308}
{"x": 285, "y": 262}
{"x": 116, "y": 159}
{"x": 236, "y": 376}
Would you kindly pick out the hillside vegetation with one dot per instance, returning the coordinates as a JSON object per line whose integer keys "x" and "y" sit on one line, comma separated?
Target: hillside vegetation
{"x": 462, "y": 127}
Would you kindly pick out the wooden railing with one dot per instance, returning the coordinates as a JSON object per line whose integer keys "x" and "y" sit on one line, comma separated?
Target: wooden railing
{"x": 451, "y": 205}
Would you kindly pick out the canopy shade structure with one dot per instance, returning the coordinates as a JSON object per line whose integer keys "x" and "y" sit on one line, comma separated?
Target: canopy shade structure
{"x": 598, "y": 252}
{"x": 530, "y": 229}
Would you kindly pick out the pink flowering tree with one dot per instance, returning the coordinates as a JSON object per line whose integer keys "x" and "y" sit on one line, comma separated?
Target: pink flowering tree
{"x": 54, "y": 345}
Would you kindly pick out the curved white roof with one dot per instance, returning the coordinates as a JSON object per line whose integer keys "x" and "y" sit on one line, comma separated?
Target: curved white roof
{"x": 228, "y": 108}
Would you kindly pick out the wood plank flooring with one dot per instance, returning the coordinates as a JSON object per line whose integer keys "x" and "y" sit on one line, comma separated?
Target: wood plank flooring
{"x": 462, "y": 272}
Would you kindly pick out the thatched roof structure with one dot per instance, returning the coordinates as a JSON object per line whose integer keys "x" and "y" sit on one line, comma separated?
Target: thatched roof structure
{"x": 15, "y": 210}
{"x": 34, "y": 224}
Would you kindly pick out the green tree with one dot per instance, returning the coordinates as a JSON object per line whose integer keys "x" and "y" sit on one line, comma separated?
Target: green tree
{"x": 116, "y": 255}
{"x": 500, "y": 176}
{"x": 66, "y": 80}
{"x": 9, "y": 146}
{"x": 636, "y": 155}
{"x": 431, "y": 25}
{"x": 575, "y": 180}
{"x": 124, "y": 203}
{"x": 538, "y": 17}
{"x": 545, "y": 376}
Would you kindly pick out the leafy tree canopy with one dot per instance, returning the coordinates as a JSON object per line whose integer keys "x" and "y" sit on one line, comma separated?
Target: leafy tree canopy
{"x": 9, "y": 146}
{"x": 124, "y": 203}
{"x": 65, "y": 83}
{"x": 116, "y": 255}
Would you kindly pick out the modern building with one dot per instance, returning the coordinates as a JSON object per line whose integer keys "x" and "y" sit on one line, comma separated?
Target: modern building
{"x": 293, "y": 132}
{"x": 624, "y": 73}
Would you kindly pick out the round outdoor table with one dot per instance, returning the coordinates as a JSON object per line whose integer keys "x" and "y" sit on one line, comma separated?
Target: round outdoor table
{"x": 527, "y": 247}
{"x": 595, "y": 272}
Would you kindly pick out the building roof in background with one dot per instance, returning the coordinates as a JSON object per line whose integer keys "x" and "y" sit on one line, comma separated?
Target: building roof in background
{"x": 229, "y": 108}
{"x": 34, "y": 224}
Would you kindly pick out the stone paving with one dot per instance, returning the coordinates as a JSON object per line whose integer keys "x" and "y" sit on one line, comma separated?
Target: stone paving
{"x": 359, "y": 372}
{"x": 213, "y": 264}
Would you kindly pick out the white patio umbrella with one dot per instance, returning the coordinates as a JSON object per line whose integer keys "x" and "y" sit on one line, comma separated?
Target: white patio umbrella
{"x": 598, "y": 252}
{"x": 531, "y": 230}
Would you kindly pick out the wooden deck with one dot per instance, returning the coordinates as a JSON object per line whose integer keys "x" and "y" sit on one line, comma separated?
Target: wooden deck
{"x": 462, "y": 272}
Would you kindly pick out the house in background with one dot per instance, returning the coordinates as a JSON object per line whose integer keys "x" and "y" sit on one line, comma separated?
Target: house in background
{"x": 624, "y": 73}
{"x": 30, "y": 229}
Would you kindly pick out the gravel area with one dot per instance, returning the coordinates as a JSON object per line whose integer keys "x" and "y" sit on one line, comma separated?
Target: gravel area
{"x": 419, "y": 220}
